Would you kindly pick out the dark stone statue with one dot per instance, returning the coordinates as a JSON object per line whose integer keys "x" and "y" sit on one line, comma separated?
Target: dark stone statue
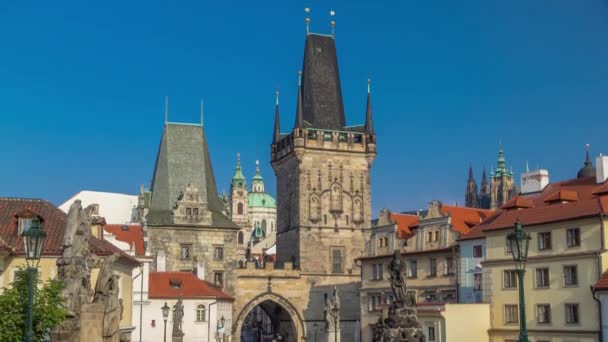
{"x": 400, "y": 323}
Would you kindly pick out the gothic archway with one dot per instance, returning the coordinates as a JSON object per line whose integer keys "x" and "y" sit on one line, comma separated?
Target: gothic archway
{"x": 267, "y": 317}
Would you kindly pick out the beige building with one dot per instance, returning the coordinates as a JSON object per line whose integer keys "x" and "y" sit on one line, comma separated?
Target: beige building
{"x": 428, "y": 246}
{"x": 567, "y": 255}
{"x": 444, "y": 322}
{"x": 16, "y": 213}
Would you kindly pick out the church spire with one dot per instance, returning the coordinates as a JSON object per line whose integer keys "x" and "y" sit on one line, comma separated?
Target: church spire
{"x": 471, "y": 197}
{"x": 369, "y": 123}
{"x": 238, "y": 180}
{"x": 501, "y": 169}
{"x": 484, "y": 182}
{"x": 299, "y": 119}
{"x": 277, "y": 124}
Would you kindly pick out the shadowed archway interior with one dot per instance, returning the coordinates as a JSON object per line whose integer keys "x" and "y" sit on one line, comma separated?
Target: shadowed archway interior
{"x": 268, "y": 321}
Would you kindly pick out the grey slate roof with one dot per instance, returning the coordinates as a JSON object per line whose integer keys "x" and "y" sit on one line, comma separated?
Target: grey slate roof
{"x": 321, "y": 91}
{"x": 183, "y": 158}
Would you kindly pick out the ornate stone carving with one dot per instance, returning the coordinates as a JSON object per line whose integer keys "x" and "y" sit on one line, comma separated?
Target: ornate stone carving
{"x": 400, "y": 324}
{"x": 190, "y": 208}
{"x": 178, "y": 317}
{"x": 331, "y": 313}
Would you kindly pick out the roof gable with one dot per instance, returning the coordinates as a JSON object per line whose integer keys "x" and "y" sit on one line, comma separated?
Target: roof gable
{"x": 182, "y": 285}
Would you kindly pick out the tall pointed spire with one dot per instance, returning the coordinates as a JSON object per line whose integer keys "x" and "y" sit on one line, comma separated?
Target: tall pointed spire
{"x": 299, "y": 117}
{"x": 166, "y": 110}
{"x": 501, "y": 169}
{"x": 587, "y": 170}
{"x": 238, "y": 180}
{"x": 369, "y": 123}
{"x": 484, "y": 182}
{"x": 277, "y": 124}
{"x": 202, "y": 114}
{"x": 471, "y": 198}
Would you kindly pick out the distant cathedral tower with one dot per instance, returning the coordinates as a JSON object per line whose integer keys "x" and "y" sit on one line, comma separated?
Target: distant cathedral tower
{"x": 238, "y": 196}
{"x": 493, "y": 195}
{"x": 323, "y": 172}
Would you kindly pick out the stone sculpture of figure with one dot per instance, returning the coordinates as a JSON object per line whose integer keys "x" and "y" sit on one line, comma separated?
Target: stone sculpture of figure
{"x": 396, "y": 269}
{"x": 104, "y": 278}
{"x": 75, "y": 260}
{"x": 178, "y": 309}
{"x": 106, "y": 293}
{"x": 332, "y": 312}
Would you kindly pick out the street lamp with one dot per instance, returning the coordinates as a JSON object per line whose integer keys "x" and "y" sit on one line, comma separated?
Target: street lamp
{"x": 165, "y": 310}
{"x": 520, "y": 241}
{"x": 315, "y": 325}
{"x": 33, "y": 240}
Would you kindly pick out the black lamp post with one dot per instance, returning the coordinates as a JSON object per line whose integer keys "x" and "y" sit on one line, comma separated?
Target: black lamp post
{"x": 520, "y": 242}
{"x": 315, "y": 325}
{"x": 165, "y": 310}
{"x": 33, "y": 240}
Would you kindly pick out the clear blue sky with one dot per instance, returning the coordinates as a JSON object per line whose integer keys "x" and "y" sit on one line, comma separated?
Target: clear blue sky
{"x": 82, "y": 87}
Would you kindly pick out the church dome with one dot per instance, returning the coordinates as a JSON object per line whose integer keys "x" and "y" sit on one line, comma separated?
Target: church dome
{"x": 588, "y": 170}
{"x": 261, "y": 200}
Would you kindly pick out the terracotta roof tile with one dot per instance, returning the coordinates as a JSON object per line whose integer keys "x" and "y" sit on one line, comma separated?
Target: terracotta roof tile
{"x": 404, "y": 221}
{"x": 602, "y": 284}
{"x": 542, "y": 212}
{"x": 54, "y": 225}
{"x": 465, "y": 218}
{"x": 563, "y": 195}
{"x": 165, "y": 285}
{"x": 130, "y": 233}
{"x": 518, "y": 202}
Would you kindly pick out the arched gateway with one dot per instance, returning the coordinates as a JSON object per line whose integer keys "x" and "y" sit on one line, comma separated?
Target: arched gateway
{"x": 267, "y": 317}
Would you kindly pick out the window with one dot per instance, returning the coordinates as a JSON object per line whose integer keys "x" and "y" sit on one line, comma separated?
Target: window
{"x": 324, "y": 218}
{"x": 184, "y": 251}
{"x": 412, "y": 295}
{"x": 218, "y": 278}
{"x": 430, "y": 296}
{"x": 386, "y": 241}
{"x": 239, "y": 208}
{"x": 346, "y": 219}
{"x": 240, "y": 238}
{"x": 219, "y": 253}
{"x": 509, "y": 247}
{"x": 201, "y": 313}
{"x": 509, "y": 279}
{"x": 26, "y": 223}
{"x": 477, "y": 281}
{"x": 336, "y": 260}
{"x": 543, "y": 313}
{"x": 572, "y": 314}
{"x": 477, "y": 251}
{"x": 436, "y": 236}
{"x": 570, "y": 275}
{"x": 264, "y": 224}
{"x": 413, "y": 270}
{"x": 374, "y": 302}
{"x": 380, "y": 242}
{"x": 542, "y": 277}
{"x": 377, "y": 271}
{"x": 544, "y": 241}
{"x": 188, "y": 211}
{"x": 573, "y": 237}
{"x": 449, "y": 266}
{"x": 429, "y": 236}
{"x": 432, "y": 267}
{"x": 431, "y": 334}
{"x": 195, "y": 211}
{"x": 511, "y": 313}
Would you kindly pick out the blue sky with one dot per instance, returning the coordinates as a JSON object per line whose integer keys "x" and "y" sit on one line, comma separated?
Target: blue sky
{"x": 82, "y": 87}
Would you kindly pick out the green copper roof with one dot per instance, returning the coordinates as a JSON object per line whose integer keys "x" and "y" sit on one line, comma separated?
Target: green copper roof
{"x": 501, "y": 169}
{"x": 261, "y": 200}
{"x": 238, "y": 180}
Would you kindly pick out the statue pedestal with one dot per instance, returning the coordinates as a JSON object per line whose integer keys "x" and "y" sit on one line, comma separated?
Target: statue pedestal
{"x": 333, "y": 336}
{"x": 85, "y": 328}
{"x": 177, "y": 338}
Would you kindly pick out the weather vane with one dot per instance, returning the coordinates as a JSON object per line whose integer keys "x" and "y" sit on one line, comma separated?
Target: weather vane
{"x": 307, "y": 10}
{"x": 332, "y": 14}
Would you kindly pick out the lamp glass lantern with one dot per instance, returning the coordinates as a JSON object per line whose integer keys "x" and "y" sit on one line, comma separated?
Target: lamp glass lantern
{"x": 33, "y": 241}
{"x": 520, "y": 242}
{"x": 165, "y": 310}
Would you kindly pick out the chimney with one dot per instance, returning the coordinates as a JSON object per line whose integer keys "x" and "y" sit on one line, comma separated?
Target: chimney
{"x": 160, "y": 261}
{"x": 200, "y": 270}
{"x": 601, "y": 168}
{"x": 534, "y": 181}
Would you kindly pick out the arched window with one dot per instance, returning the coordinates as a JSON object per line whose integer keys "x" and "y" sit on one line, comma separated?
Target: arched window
{"x": 239, "y": 208}
{"x": 346, "y": 219}
{"x": 324, "y": 219}
{"x": 271, "y": 226}
{"x": 201, "y": 313}
{"x": 240, "y": 238}
{"x": 264, "y": 224}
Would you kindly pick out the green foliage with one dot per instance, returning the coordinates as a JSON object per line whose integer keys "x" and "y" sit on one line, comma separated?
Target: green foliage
{"x": 48, "y": 309}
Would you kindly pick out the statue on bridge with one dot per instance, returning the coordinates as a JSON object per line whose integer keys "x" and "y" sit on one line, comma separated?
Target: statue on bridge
{"x": 400, "y": 323}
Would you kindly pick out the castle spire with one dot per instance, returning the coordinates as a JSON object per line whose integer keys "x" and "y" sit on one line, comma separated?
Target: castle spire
{"x": 277, "y": 124}
{"x": 484, "y": 182}
{"x": 299, "y": 118}
{"x": 369, "y": 123}
{"x": 471, "y": 197}
{"x": 501, "y": 169}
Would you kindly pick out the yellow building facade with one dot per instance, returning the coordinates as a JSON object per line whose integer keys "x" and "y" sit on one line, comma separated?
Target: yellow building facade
{"x": 567, "y": 255}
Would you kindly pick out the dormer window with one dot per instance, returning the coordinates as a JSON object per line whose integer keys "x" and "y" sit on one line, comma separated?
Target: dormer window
{"x": 26, "y": 220}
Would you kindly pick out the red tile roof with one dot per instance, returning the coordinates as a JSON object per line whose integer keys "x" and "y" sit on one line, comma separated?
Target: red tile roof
{"x": 130, "y": 233}
{"x": 562, "y": 196}
{"x": 165, "y": 285}
{"x": 474, "y": 233}
{"x": 602, "y": 284}
{"x": 404, "y": 221}
{"x": 463, "y": 218}
{"x": 54, "y": 225}
{"x": 518, "y": 202}
{"x": 542, "y": 212}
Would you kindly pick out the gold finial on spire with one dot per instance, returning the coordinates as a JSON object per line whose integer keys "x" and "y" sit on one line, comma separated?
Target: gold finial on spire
{"x": 307, "y": 10}
{"x": 332, "y": 14}
{"x": 166, "y": 110}
{"x": 276, "y": 94}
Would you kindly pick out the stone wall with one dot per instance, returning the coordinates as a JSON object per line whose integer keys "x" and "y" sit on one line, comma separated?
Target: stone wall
{"x": 203, "y": 242}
